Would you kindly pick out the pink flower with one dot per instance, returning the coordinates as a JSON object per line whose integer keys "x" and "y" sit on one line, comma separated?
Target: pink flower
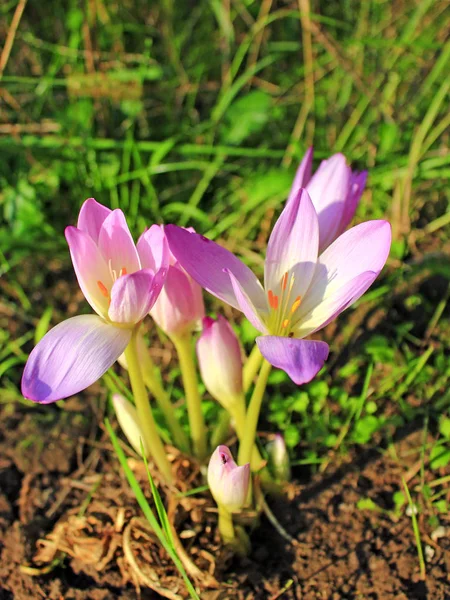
{"x": 228, "y": 482}
{"x": 121, "y": 289}
{"x": 180, "y": 304}
{"x": 220, "y": 361}
{"x": 303, "y": 291}
{"x": 335, "y": 191}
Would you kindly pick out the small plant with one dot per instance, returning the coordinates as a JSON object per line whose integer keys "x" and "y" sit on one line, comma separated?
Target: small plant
{"x": 314, "y": 270}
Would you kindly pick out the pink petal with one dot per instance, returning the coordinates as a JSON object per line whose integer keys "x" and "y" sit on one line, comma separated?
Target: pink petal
{"x": 303, "y": 174}
{"x": 132, "y": 296}
{"x": 255, "y": 309}
{"x": 71, "y": 357}
{"x": 117, "y": 245}
{"x": 329, "y": 188}
{"x": 91, "y": 270}
{"x": 293, "y": 247}
{"x": 153, "y": 248}
{"x": 91, "y": 217}
{"x": 344, "y": 272}
{"x": 206, "y": 261}
{"x": 356, "y": 188}
{"x": 300, "y": 359}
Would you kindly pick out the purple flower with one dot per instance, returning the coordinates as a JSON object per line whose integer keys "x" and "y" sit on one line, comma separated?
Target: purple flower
{"x": 220, "y": 361}
{"x": 121, "y": 287}
{"x": 335, "y": 191}
{"x": 302, "y": 291}
{"x": 228, "y": 482}
{"x": 179, "y": 306}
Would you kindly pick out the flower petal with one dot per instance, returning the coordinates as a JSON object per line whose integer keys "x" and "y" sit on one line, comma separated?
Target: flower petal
{"x": 91, "y": 270}
{"x": 206, "y": 261}
{"x": 71, "y": 357}
{"x": 329, "y": 188}
{"x": 253, "y": 308}
{"x": 153, "y": 248}
{"x": 303, "y": 174}
{"x": 117, "y": 245}
{"x": 132, "y": 296}
{"x": 344, "y": 272}
{"x": 300, "y": 359}
{"x": 91, "y": 217}
{"x": 293, "y": 247}
{"x": 356, "y": 188}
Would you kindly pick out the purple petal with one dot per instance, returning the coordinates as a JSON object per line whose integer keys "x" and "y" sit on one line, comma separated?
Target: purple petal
{"x": 91, "y": 270}
{"x": 344, "y": 272}
{"x": 329, "y": 188}
{"x": 206, "y": 261}
{"x": 293, "y": 247}
{"x": 255, "y": 314}
{"x": 117, "y": 245}
{"x": 132, "y": 296}
{"x": 91, "y": 217}
{"x": 153, "y": 248}
{"x": 357, "y": 185}
{"x": 300, "y": 359}
{"x": 71, "y": 357}
{"x": 303, "y": 174}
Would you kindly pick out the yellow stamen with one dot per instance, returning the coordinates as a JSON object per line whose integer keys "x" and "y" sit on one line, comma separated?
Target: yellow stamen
{"x": 285, "y": 323}
{"x": 296, "y": 304}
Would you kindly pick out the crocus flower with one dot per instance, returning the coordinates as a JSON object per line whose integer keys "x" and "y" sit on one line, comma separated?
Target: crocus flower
{"x": 228, "y": 482}
{"x": 179, "y": 306}
{"x": 119, "y": 283}
{"x": 335, "y": 191}
{"x": 220, "y": 361}
{"x": 279, "y": 458}
{"x": 129, "y": 422}
{"x": 302, "y": 291}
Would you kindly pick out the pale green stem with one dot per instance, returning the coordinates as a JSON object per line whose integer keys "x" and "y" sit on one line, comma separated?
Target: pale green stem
{"x": 162, "y": 398}
{"x": 237, "y": 411}
{"x": 240, "y": 542}
{"x": 220, "y": 431}
{"x": 251, "y": 421}
{"x": 251, "y": 367}
{"x": 193, "y": 400}
{"x": 146, "y": 420}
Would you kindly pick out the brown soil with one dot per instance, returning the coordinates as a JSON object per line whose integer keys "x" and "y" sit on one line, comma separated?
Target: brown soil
{"x": 67, "y": 516}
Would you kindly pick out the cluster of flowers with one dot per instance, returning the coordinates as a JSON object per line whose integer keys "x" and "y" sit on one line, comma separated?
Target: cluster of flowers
{"x": 314, "y": 269}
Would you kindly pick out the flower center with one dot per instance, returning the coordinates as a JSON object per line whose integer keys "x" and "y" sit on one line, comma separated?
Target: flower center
{"x": 283, "y": 307}
{"x": 114, "y": 276}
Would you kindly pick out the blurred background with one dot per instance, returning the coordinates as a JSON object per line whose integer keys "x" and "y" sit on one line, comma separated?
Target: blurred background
{"x": 198, "y": 113}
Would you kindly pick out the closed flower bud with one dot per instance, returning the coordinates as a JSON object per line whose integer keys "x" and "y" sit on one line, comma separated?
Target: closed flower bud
{"x": 180, "y": 304}
{"x": 228, "y": 482}
{"x": 129, "y": 422}
{"x": 220, "y": 360}
{"x": 279, "y": 458}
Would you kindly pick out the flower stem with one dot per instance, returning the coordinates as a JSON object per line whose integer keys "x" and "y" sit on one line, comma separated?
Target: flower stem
{"x": 237, "y": 412}
{"x": 146, "y": 420}
{"x": 190, "y": 382}
{"x": 162, "y": 398}
{"x": 220, "y": 431}
{"x": 251, "y": 367}
{"x": 251, "y": 421}
{"x": 240, "y": 542}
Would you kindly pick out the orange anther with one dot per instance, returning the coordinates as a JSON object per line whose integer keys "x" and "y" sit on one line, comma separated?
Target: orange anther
{"x": 285, "y": 323}
{"x": 123, "y": 270}
{"x": 103, "y": 289}
{"x": 273, "y": 300}
{"x": 296, "y": 304}
{"x": 284, "y": 281}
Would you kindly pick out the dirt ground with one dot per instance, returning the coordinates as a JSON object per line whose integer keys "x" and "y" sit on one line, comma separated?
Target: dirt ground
{"x": 70, "y": 527}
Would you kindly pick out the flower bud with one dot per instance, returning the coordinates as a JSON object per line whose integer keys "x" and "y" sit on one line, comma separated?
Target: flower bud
{"x": 129, "y": 422}
{"x": 220, "y": 361}
{"x": 228, "y": 482}
{"x": 180, "y": 304}
{"x": 279, "y": 458}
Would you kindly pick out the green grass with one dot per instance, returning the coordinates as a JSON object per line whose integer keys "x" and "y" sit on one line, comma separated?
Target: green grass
{"x": 192, "y": 112}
